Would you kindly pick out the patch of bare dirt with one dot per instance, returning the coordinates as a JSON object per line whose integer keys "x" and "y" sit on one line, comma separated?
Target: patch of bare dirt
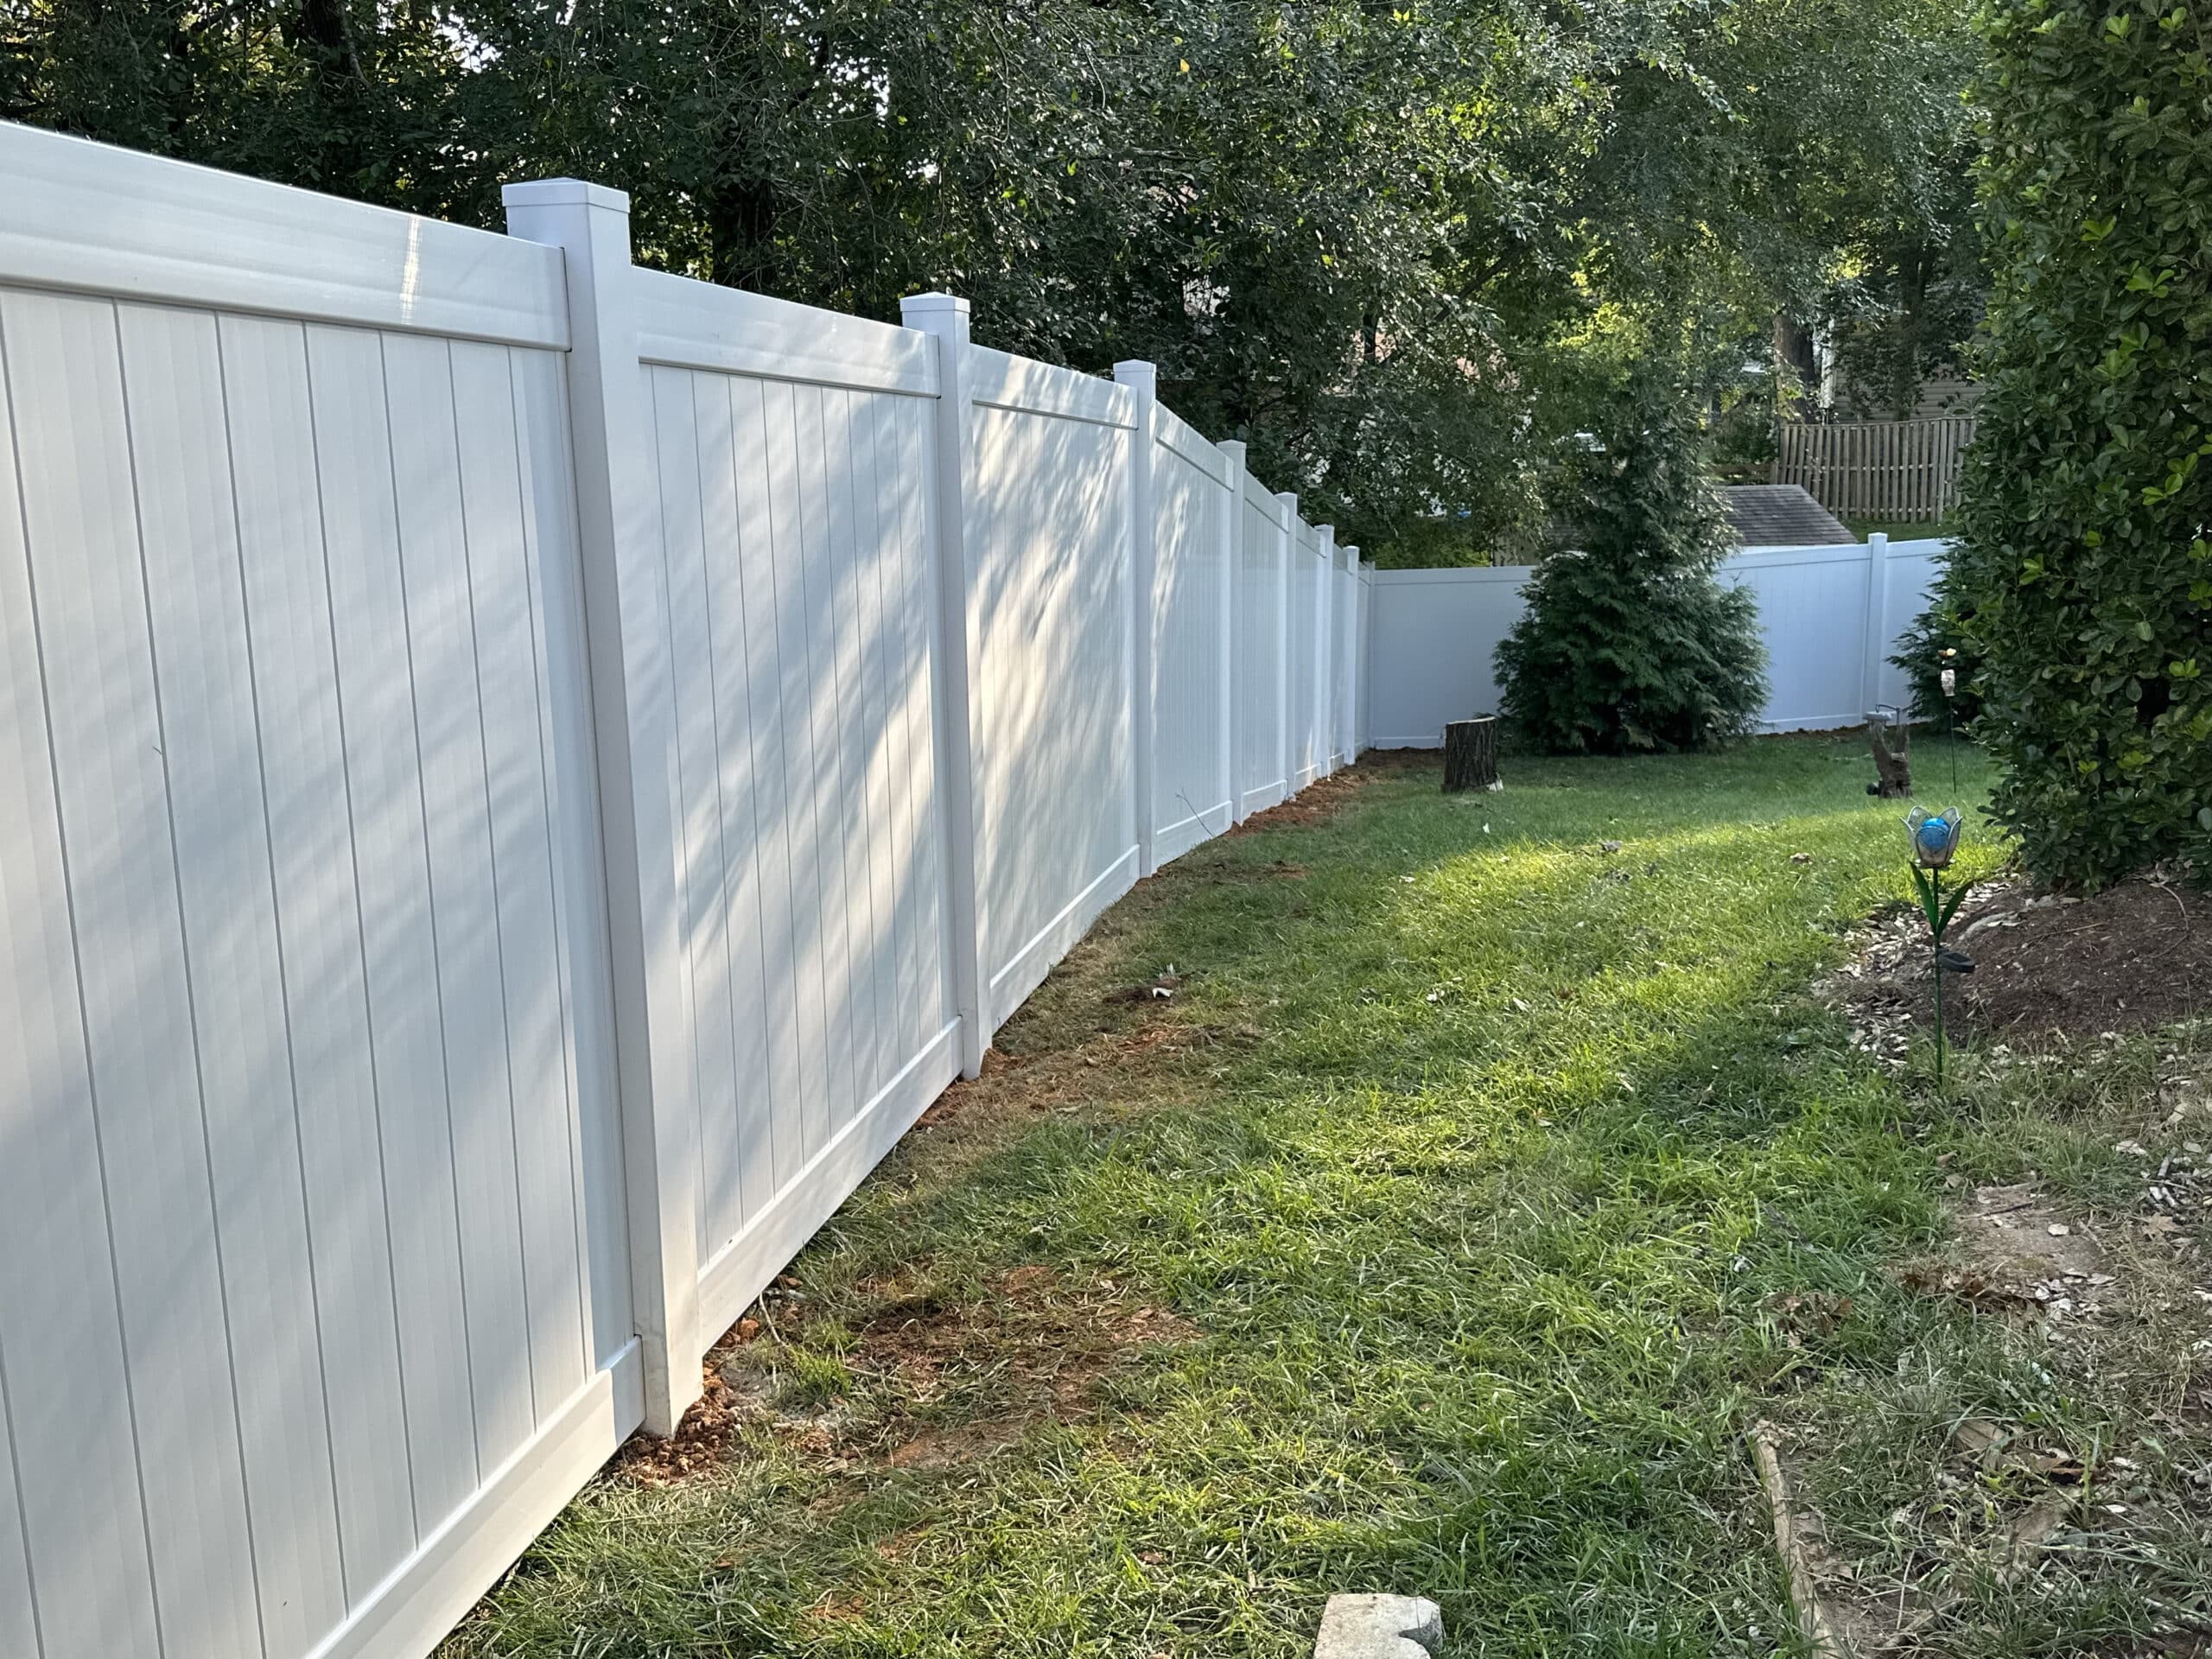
{"x": 971, "y": 1378}
{"x": 1320, "y": 800}
{"x": 2134, "y": 957}
{"x": 2017, "y": 1251}
{"x": 935, "y": 1380}
{"x": 1401, "y": 760}
{"x": 703, "y": 1440}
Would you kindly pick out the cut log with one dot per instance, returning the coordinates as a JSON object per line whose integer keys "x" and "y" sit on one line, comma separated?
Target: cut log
{"x": 1471, "y": 754}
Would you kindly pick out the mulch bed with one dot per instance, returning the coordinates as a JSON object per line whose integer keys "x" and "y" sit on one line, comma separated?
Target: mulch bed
{"x": 2134, "y": 957}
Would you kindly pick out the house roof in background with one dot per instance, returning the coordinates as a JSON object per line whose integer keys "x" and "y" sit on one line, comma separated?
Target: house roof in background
{"x": 1781, "y": 514}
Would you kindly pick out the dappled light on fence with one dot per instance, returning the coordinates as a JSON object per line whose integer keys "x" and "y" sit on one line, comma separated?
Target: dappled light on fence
{"x": 521, "y": 778}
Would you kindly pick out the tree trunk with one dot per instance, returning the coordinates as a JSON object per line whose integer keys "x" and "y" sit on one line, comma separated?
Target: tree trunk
{"x": 1471, "y": 754}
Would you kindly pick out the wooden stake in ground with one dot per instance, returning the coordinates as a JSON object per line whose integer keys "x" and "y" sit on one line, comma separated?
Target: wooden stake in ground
{"x": 1804, "y": 1591}
{"x": 1471, "y": 754}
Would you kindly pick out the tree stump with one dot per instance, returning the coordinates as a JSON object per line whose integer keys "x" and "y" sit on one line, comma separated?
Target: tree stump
{"x": 1471, "y": 754}
{"x": 1892, "y": 763}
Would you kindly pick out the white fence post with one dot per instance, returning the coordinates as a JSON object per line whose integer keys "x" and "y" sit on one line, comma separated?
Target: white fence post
{"x": 1344, "y": 649}
{"x": 1143, "y": 379}
{"x": 1878, "y": 595}
{"x": 634, "y": 717}
{"x": 959, "y": 672}
{"x": 1325, "y": 655}
{"x": 1284, "y": 638}
{"x": 1232, "y": 669}
{"x": 1363, "y": 671}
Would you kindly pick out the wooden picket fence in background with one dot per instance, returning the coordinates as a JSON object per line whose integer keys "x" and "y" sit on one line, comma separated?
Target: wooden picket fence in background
{"x": 1876, "y": 469}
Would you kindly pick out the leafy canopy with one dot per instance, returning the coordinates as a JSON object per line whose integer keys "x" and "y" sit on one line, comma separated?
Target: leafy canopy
{"x": 1377, "y": 243}
{"x": 2084, "y": 570}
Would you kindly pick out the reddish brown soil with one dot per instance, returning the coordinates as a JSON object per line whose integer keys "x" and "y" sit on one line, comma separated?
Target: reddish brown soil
{"x": 1318, "y": 801}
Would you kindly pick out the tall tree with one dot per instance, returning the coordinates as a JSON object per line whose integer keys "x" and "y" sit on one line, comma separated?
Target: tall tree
{"x": 1382, "y": 244}
{"x": 2084, "y": 562}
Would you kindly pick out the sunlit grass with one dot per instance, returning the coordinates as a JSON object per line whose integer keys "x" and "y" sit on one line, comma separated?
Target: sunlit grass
{"x": 1487, "y": 1148}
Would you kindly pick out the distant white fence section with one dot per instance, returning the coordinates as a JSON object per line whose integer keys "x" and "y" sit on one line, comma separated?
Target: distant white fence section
{"x": 1831, "y": 617}
{"x": 520, "y": 776}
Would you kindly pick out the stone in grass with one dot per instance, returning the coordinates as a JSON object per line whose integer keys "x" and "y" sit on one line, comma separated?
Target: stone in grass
{"x": 1379, "y": 1627}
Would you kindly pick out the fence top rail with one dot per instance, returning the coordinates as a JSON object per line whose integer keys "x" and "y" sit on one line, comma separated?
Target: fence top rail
{"x": 1273, "y": 508}
{"x": 96, "y": 220}
{"x": 1173, "y": 433}
{"x": 1918, "y": 422}
{"x": 682, "y": 323}
{"x": 1815, "y": 553}
{"x": 1452, "y": 576}
{"x": 1021, "y": 386}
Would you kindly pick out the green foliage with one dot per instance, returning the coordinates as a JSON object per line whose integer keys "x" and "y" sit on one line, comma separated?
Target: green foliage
{"x": 1383, "y": 245}
{"x": 1938, "y": 639}
{"x": 1629, "y": 641}
{"x": 2083, "y": 571}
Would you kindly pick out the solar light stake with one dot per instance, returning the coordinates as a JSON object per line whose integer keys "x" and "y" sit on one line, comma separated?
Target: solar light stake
{"x": 1950, "y": 679}
{"x": 1934, "y": 840}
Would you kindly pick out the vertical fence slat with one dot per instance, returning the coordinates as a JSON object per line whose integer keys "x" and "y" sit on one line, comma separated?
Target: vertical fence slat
{"x": 1900, "y": 470}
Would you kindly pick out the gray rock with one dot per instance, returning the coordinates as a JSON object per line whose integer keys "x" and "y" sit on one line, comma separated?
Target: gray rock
{"x": 1379, "y": 1627}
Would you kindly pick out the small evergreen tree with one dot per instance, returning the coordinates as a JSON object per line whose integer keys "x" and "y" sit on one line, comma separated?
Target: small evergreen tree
{"x": 1936, "y": 640}
{"x": 2084, "y": 569}
{"x": 1630, "y": 642}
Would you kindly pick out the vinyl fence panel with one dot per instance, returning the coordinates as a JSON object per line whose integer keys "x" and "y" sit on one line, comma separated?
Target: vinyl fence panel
{"x": 1262, "y": 629}
{"x": 1434, "y": 634}
{"x": 1306, "y": 572}
{"x": 1189, "y": 620}
{"x": 810, "y": 862}
{"x": 305, "y": 1041}
{"x": 1344, "y": 645}
{"x": 1813, "y": 613}
{"x": 1908, "y": 587}
{"x": 1362, "y": 671}
{"x": 521, "y": 778}
{"x": 1048, "y": 558}
{"x": 1431, "y": 634}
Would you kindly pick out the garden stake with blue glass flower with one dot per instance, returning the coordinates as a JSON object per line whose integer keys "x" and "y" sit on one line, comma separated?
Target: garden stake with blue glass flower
{"x": 1934, "y": 840}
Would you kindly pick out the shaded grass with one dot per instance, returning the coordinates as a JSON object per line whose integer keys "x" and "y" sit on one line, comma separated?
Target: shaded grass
{"x": 1474, "y": 1156}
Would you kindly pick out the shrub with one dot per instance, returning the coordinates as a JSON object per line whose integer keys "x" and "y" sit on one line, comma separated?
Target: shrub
{"x": 1938, "y": 639}
{"x": 2084, "y": 570}
{"x": 1629, "y": 642}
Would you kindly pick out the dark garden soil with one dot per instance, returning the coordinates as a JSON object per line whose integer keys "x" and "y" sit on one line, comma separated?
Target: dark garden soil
{"x": 2135, "y": 957}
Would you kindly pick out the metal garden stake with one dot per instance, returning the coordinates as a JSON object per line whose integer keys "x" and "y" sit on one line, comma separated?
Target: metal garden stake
{"x": 1934, "y": 840}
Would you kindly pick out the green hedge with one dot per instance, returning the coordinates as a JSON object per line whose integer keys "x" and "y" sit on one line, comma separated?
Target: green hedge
{"x": 2083, "y": 561}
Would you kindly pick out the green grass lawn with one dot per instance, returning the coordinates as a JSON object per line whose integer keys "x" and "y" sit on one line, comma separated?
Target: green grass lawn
{"x": 1901, "y": 530}
{"x": 1431, "y": 1239}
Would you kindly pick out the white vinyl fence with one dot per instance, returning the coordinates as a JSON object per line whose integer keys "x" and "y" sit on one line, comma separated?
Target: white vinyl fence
{"x": 520, "y": 776}
{"x": 1831, "y": 617}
